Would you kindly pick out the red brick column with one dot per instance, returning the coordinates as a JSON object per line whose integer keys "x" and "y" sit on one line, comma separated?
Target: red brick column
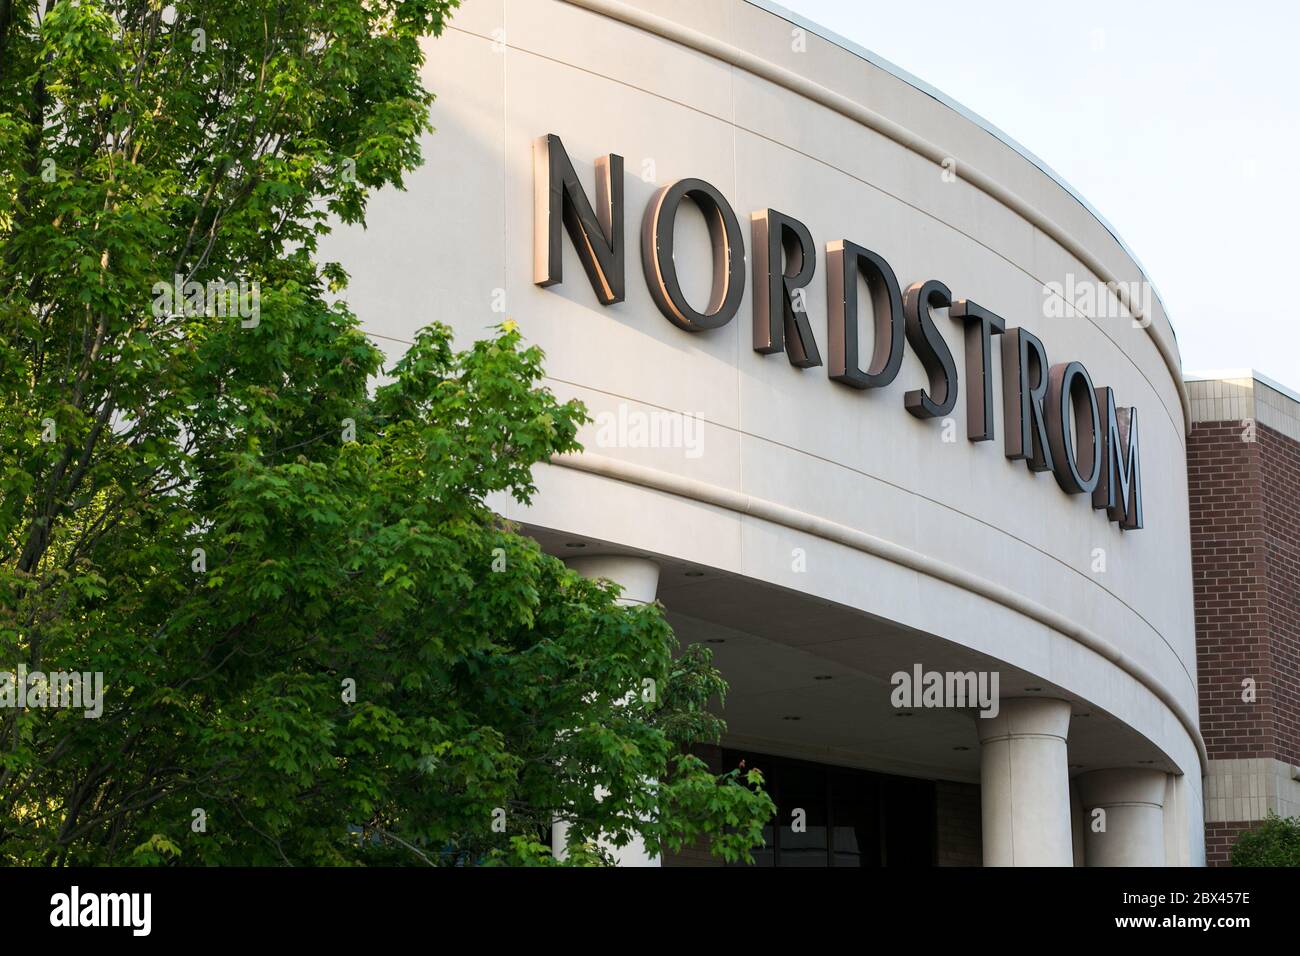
{"x": 1244, "y": 487}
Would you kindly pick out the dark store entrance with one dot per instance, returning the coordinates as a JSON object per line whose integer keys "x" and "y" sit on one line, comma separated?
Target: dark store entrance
{"x": 838, "y": 816}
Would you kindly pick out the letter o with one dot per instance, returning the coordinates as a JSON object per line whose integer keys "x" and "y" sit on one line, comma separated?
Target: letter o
{"x": 728, "y": 255}
{"x": 1069, "y": 390}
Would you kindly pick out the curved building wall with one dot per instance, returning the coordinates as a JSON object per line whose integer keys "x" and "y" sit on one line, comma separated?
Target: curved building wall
{"x": 901, "y": 518}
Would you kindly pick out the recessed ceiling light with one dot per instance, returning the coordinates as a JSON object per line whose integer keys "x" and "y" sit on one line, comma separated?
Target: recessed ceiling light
{"x": 961, "y": 748}
{"x": 1146, "y": 761}
{"x": 1033, "y": 690}
{"x": 903, "y": 713}
{"x": 823, "y": 677}
{"x": 791, "y": 717}
{"x": 715, "y": 640}
{"x": 575, "y": 544}
{"x": 695, "y": 574}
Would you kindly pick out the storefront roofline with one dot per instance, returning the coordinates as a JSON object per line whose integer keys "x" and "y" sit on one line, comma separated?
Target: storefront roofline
{"x": 917, "y": 83}
{"x": 1240, "y": 374}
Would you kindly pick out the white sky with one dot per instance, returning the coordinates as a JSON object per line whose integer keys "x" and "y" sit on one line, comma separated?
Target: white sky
{"x": 1178, "y": 121}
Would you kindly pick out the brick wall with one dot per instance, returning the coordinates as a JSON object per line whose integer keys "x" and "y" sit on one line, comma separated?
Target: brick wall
{"x": 1229, "y": 577}
{"x": 1245, "y": 511}
{"x": 1219, "y": 840}
{"x": 1280, "y": 473}
{"x": 1244, "y": 487}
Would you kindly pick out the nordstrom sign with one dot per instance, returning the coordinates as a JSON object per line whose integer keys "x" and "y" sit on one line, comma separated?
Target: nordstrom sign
{"x": 1057, "y": 419}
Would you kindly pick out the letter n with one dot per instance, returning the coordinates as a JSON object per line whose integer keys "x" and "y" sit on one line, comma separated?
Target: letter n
{"x": 596, "y": 235}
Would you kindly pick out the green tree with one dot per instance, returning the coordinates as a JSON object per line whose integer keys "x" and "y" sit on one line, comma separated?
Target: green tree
{"x": 1275, "y": 842}
{"x": 319, "y": 645}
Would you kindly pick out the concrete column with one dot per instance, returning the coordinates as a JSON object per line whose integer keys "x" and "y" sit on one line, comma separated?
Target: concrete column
{"x": 1025, "y": 784}
{"x": 639, "y": 578}
{"x": 1132, "y": 830}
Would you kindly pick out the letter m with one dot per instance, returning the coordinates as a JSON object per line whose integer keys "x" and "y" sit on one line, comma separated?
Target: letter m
{"x": 1120, "y": 489}
{"x": 596, "y": 235}
{"x": 117, "y": 909}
